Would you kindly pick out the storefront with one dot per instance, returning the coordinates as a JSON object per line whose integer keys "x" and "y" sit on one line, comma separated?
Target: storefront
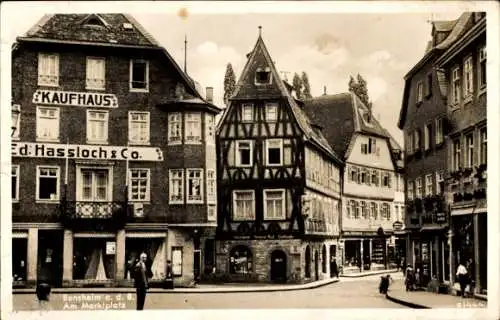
{"x": 155, "y": 249}
{"x": 94, "y": 259}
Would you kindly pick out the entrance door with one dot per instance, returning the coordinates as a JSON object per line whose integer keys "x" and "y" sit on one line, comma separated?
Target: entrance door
{"x": 50, "y": 251}
{"x": 333, "y": 255}
{"x": 278, "y": 266}
{"x": 308, "y": 262}
{"x": 316, "y": 265}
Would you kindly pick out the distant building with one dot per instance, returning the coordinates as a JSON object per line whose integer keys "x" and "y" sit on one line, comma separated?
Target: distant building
{"x": 279, "y": 184}
{"x": 371, "y": 179}
{"x": 464, "y": 69}
{"x": 114, "y": 155}
{"x": 425, "y": 120}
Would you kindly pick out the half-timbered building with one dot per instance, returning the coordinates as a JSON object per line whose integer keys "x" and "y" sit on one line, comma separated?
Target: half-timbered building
{"x": 278, "y": 183}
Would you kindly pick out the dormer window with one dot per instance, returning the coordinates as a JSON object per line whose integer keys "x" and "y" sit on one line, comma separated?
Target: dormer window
{"x": 94, "y": 20}
{"x": 263, "y": 76}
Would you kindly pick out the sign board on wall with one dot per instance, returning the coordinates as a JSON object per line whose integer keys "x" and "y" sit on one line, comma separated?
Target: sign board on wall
{"x": 75, "y": 99}
{"x": 110, "y": 247}
{"x": 177, "y": 261}
{"x": 89, "y": 152}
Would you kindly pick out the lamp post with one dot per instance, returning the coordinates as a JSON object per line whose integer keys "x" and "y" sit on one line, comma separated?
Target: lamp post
{"x": 16, "y": 112}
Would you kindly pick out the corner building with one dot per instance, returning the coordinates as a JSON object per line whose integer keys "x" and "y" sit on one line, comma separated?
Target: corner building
{"x": 279, "y": 184}
{"x": 114, "y": 155}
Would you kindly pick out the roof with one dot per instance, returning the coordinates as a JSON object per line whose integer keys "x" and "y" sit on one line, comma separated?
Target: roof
{"x": 113, "y": 28}
{"x": 443, "y": 25}
{"x": 459, "y": 27}
{"x": 247, "y": 90}
{"x": 342, "y": 115}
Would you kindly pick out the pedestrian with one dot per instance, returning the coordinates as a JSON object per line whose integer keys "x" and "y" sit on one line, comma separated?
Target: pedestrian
{"x": 409, "y": 278}
{"x": 417, "y": 278}
{"x": 141, "y": 281}
{"x": 462, "y": 278}
{"x": 335, "y": 268}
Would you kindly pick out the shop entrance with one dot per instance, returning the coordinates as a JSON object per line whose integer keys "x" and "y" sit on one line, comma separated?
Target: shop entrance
{"x": 50, "y": 251}
{"x": 278, "y": 266}
{"x": 333, "y": 262}
{"x": 308, "y": 262}
{"x": 316, "y": 265}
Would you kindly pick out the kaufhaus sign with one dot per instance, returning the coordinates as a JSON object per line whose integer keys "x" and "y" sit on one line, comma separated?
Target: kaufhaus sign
{"x": 75, "y": 99}
{"x": 91, "y": 152}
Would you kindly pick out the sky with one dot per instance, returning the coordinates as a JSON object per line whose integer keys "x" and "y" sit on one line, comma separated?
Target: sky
{"x": 328, "y": 46}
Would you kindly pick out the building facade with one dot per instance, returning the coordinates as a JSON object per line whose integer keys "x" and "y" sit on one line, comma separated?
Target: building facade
{"x": 279, "y": 184}
{"x": 464, "y": 67}
{"x": 369, "y": 179}
{"x": 114, "y": 155}
{"x": 425, "y": 122}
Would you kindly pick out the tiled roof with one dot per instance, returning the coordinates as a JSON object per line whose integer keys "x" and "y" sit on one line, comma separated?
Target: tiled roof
{"x": 341, "y": 115}
{"x": 246, "y": 89}
{"x": 113, "y": 28}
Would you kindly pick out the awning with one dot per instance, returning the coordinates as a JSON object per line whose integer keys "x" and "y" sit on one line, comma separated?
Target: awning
{"x": 432, "y": 228}
{"x": 467, "y": 210}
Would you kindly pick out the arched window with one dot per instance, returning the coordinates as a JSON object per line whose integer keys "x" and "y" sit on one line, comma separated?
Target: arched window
{"x": 323, "y": 258}
{"x": 241, "y": 260}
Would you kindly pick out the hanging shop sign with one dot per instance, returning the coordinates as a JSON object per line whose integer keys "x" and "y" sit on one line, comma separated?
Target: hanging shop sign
{"x": 75, "y": 99}
{"x": 88, "y": 152}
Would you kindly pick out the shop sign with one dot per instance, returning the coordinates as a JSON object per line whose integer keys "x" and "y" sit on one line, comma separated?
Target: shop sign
{"x": 75, "y": 99}
{"x": 440, "y": 217}
{"x": 88, "y": 152}
{"x": 397, "y": 226}
{"x": 110, "y": 247}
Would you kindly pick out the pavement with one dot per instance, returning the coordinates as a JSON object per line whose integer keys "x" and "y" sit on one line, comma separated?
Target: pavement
{"x": 369, "y": 273}
{"x": 429, "y": 300}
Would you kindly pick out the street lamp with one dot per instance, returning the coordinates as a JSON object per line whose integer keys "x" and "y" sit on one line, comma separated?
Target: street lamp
{"x": 16, "y": 113}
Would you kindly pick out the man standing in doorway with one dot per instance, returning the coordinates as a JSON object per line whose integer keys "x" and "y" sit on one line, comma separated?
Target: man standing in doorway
{"x": 462, "y": 278}
{"x": 141, "y": 281}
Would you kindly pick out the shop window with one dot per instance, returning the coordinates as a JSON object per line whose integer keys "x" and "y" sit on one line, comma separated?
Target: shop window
{"x": 139, "y": 75}
{"x": 47, "y": 187}
{"x": 93, "y": 259}
{"x": 19, "y": 259}
{"x": 241, "y": 261}
{"x": 154, "y": 248}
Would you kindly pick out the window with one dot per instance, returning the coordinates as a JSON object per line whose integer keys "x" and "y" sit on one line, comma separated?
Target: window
{"x": 483, "y": 154}
{"x": 139, "y": 75}
{"x": 263, "y": 76}
{"x": 176, "y": 186}
{"x": 274, "y": 204}
{"x": 410, "y": 194}
{"x": 94, "y": 185}
{"x": 15, "y": 182}
{"x": 469, "y": 156}
{"x": 396, "y": 213}
{"x": 439, "y": 131}
{"x": 47, "y": 187}
{"x": 468, "y": 84}
{"x": 244, "y": 205}
{"x": 97, "y": 126}
{"x": 439, "y": 182}
{"x": 48, "y": 70}
{"x": 174, "y": 127}
{"x": 372, "y": 146}
{"x": 420, "y": 91}
{"x": 364, "y": 176}
{"x": 47, "y": 123}
{"x": 194, "y": 185}
{"x": 427, "y": 136}
{"x": 244, "y": 151}
{"x": 409, "y": 143}
{"x": 375, "y": 177}
{"x": 428, "y": 185}
{"x": 416, "y": 140}
{"x": 418, "y": 183}
{"x": 210, "y": 129}
{"x": 247, "y": 112}
{"x": 428, "y": 87}
{"x": 386, "y": 179}
{"x": 455, "y": 83}
{"x": 364, "y": 148}
{"x": 353, "y": 174}
{"x": 193, "y": 127}
{"x": 356, "y": 210}
{"x": 482, "y": 67}
{"x": 211, "y": 187}
{"x": 364, "y": 210}
{"x": 274, "y": 152}
{"x": 386, "y": 211}
{"x": 17, "y": 125}
{"x": 177, "y": 261}
{"x": 271, "y": 111}
{"x": 373, "y": 210}
{"x": 138, "y": 127}
{"x": 456, "y": 154}
{"x": 96, "y": 73}
{"x": 139, "y": 184}
{"x": 241, "y": 260}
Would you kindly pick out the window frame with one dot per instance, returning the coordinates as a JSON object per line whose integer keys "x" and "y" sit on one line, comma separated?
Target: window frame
{"x": 94, "y": 80}
{"x": 40, "y": 75}
{"x": 171, "y": 188}
{"x": 410, "y": 187}
{"x": 418, "y": 188}
{"x": 248, "y": 106}
{"x": 200, "y": 171}
{"x": 211, "y": 196}
{"x": 106, "y": 126}
{"x": 468, "y": 81}
{"x": 148, "y": 127}
{"x": 79, "y": 182}
{"x": 237, "y": 155}
{"x": 456, "y": 85}
{"x": 233, "y": 198}
{"x": 171, "y": 139}
{"x": 483, "y": 145}
{"x": 266, "y": 69}
{"x": 17, "y": 175}
{"x": 190, "y": 124}
{"x": 469, "y": 150}
{"x": 482, "y": 58}
{"x": 428, "y": 86}
{"x": 148, "y": 185}
{"x": 429, "y": 192}
{"x": 146, "y": 76}
{"x": 439, "y": 135}
{"x": 439, "y": 179}
{"x": 420, "y": 92}
{"x": 268, "y": 106}
{"x": 58, "y": 184}
{"x": 267, "y": 143}
{"x": 417, "y": 145}
{"x": 57, "y": 120}
{"x": 457, "y": 153}
{"x": 283, "y": 206}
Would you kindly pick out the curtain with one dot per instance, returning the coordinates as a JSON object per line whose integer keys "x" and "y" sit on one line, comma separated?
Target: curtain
{"x": 158, "y": 267}
{"x": 101, "y": 273}
{"x": 91, "y": 272}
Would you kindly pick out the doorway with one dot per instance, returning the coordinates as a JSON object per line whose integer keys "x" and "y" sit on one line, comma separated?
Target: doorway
{"x": 308, "y": 262}
{"x": 316, "y": 265}
{"x": 50, "y": 251}
{"x": 278, "y": 266}
{"x": 333, "y": 262}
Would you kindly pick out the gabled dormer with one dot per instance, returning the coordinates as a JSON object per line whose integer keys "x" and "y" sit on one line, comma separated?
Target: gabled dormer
{"x": 94, "y": 21}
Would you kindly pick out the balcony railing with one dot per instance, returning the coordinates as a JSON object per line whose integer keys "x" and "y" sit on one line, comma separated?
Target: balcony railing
{"x": 80, "y": 213}
{"x": 315, "y": 226}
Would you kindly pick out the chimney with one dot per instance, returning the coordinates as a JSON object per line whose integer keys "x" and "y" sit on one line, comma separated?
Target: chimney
{"x": 324, "y": 90}
{"x": 210, "y": 94}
